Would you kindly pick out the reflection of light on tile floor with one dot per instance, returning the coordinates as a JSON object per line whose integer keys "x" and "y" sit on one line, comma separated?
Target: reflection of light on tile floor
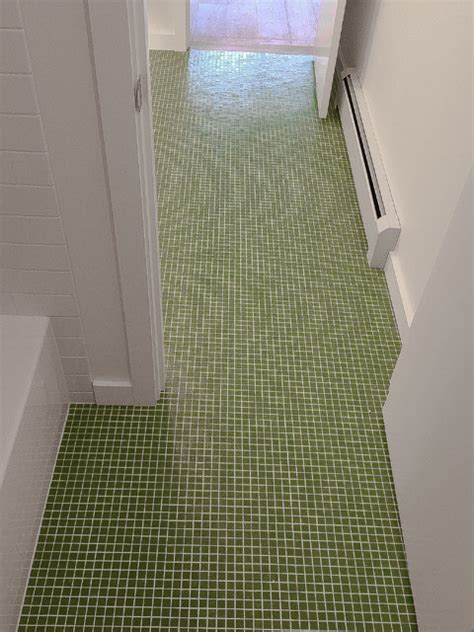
{"x": 257, "y": 494}
{"x": 262, "y": 25}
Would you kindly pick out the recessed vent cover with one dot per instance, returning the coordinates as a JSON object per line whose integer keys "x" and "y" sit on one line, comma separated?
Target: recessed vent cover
{"x": 381, "y": 223}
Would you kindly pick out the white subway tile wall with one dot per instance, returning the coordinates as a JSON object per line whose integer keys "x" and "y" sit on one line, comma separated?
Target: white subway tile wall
{"x": 21, "y": 132}
{"x": 67, "y": 327}
{"x": 31, "y": 230}
{"x": 14, "y": 52}
{"x": 24, "y": 167}
{"x": 71, "y": 347}
{"x": 35, "y": 273}
{"x": 33, "y": 256}
{"x": 28, "y": 200}
{"x": 36, "y": 281}
{"x": 77, "y": 383}
{"x": 45, "y": 304}
{"x": 17, "y": 94}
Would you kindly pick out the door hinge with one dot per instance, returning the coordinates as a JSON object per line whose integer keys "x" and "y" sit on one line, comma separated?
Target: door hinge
{"x": 138, "y": 94}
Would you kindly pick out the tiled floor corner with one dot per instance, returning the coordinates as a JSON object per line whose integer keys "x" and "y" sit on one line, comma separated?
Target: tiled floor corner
{"x": 257, "y": 495}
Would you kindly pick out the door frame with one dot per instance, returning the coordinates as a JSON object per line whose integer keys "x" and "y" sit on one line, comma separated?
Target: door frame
{"x": 169, "y": 24}
{"x": 119, "y": 49}
{"x": 326, "y": 49}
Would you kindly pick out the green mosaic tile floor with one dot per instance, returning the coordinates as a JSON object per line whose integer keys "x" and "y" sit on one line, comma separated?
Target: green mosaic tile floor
{"x": 257, "y": 494}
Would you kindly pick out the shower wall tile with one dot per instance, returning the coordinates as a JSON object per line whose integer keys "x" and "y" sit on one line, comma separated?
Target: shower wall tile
{"x": 73, "y": 365}
{"x": 17, "y": 94}
{"x": 66, "y": 327}
{"x": 28, "y": 200}
{"x": 36, "y": 281}
{"x": 79, "y": 383}
{"x": 23, "y": 167}
{"x": 21, "y": 132}
{"x": 14, "y": 52}
{"x": 35, "y": 273}
{"x": 46, "y": 305}
{"x": 31, "y": 230}
{"x": 7, "y": 304}
{"x": 71, "y": 347}
{"x": 33, "y": 257}
{"x": 82, "y": 398}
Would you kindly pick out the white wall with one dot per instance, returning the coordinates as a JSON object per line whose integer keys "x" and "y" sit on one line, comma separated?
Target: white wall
{"x": 35, "y": 270}
{"x": 168, "y": 24}
{"x": 414, "y": 59}
{"x": 429, "y": 422}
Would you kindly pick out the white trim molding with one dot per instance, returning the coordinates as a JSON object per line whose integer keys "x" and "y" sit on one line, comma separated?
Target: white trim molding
{"x": 165, "y": 41}
{"x": 113, "y": 393}
{"x": 382, "y": 233}
{"x": 377, "y": 209}
{"x": 403, "y": 314}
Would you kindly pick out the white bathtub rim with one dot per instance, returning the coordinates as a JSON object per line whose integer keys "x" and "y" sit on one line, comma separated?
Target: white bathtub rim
{"x": 41, "y": 329}
{"x": 42, "y": 513}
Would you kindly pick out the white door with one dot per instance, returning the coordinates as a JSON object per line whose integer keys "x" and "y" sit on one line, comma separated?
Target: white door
{"x": 168, "y": 24}
{"x": 328, "y": 34}
{"x": 120, "y": 47}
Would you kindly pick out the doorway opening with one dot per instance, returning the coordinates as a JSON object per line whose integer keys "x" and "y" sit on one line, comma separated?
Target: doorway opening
{"x": 278, "y": 26}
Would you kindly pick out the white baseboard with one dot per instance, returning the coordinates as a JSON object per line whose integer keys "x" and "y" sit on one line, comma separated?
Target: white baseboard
{"x": 385, "y": 258}
{"x": 400, "y": 304}
{"x": 377, "y": 209}
{"x": 113, "y": 393}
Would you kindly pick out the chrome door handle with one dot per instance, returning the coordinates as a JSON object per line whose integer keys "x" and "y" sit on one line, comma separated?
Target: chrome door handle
{"x": 138, "y": 94}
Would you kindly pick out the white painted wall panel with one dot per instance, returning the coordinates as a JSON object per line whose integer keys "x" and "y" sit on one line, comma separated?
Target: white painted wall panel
{"x": 31, "y": 230}
{"x": 429, "y": 422}
{"x": 36, "y": 281}
{"x": 17, "y": 94}
{"x": 21, "y": 167}
{"x": 13, "y": 51}
{"x": 28, "y": 200}
{"x": 21, "y": 132}
{"x": 33, "y": 257}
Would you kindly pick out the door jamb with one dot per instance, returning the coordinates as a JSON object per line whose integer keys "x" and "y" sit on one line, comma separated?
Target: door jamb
{"x": 128, "y": 148}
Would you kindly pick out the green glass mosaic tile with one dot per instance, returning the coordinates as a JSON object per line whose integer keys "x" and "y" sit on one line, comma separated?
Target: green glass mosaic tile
{"x": 257, "y": 494}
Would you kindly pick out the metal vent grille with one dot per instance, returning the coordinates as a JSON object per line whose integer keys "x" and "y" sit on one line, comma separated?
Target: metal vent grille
{"x": 364, "y": 146}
